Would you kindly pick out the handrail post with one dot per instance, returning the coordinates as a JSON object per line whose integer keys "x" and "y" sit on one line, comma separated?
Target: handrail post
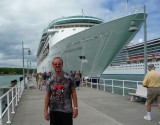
{"x": 123, "y": 88}
{"x": 86, "y": 83}
{"x": 91, "y": 83}
{"x": 104, "y": 84}
{"x": 97, "y": 84}
{"x": 1, "y": 111}
{"x": 16, "y": 95}
{"x": 9, "y": 121}
{"x": 137, "y": 83}
{"x": 112, "y": 87}
{"x": 12, "y": 102}
{"x": 22, "y": 88}
{"x": 81, "y": 83}
{"x": 18, "y": 92}
{"x": 22, "y": 85}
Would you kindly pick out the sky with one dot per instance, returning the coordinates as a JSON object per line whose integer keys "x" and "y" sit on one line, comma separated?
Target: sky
{"x": 25, "y": 20}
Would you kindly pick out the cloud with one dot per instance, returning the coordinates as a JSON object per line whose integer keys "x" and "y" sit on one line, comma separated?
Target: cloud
{"x": 25, "y": 21}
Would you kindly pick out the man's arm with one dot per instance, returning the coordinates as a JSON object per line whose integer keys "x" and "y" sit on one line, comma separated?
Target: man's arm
{"x": 75, "y": 103}
{"x": 46, "y": 105}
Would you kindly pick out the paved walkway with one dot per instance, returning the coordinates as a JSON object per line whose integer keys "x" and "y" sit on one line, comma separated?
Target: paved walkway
{"x": 95, "y": 108}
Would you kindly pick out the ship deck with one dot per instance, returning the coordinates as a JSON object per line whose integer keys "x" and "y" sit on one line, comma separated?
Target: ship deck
{"x": 95, "y": 108}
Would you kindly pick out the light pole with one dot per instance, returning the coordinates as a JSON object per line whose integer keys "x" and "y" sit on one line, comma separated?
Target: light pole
{"x": 134, "y": 28}
{"x": 29, "y": 53}
{"x": 28, "y": 67}
{"x": 145, "y": 42}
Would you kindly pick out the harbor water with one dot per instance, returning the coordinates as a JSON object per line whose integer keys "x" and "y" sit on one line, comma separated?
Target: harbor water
{"x": 5, "y": 80}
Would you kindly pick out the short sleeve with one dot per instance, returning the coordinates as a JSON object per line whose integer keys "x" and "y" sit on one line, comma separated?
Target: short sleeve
{"x": 48, "y": 88}
{"x": 48, "y": 85}
{"x": 73, "y": 83}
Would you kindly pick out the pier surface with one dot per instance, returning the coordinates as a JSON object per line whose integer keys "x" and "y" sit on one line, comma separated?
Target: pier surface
{"x": 95, "y": 108}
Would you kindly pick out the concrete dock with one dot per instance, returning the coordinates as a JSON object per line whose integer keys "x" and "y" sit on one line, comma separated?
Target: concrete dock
{"x": 95, "y": 108}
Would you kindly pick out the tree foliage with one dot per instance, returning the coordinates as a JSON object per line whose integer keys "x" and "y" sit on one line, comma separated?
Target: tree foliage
{"x": 18, "y": 71}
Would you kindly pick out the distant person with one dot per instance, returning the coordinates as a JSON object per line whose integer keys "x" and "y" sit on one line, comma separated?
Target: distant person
{"x": 40, "y": 80}
{"x": 80, "y": 74}
{"x": 13, "y": 82}
{"x": 45, "y": 76}
{"x": 20, "y": 78}
{"x": 71, "y": 74}
{"x": 49, "y": 75}
{"x": 37, "y": 78}
{"x": 77, "y": 79}
{"x": 74, "y": 74}
{"x": 152, "y": 82}
{"x": 59, "y": 97}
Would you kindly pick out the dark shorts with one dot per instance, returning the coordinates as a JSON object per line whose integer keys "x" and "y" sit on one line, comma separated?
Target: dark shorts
{"x": 153, "y": 95}
{"x": 77, "y": 83}
{"x": 60, "y": 118}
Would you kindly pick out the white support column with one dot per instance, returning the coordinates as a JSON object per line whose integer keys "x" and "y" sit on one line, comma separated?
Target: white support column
{"x": 123, "y": 89}
{"x": 12, "y": 102}
{"x": 1, "y": 111}
{"x": 9, "y": 119}
{"x": 112, "y": 87}
{"x": 16, "y": 96}
{"x": 104, "y": 85}
{"x": 18, "y": 92}
{"x": 91, "y": 83}
{"x": 97, "y": 84}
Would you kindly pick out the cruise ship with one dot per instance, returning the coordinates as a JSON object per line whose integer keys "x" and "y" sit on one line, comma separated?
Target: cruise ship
{"x": 130, "y": 61}
{"x": 86, "y": 43}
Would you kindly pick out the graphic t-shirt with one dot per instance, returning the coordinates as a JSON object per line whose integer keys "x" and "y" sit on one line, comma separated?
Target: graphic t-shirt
{"x": 60, "y": 88}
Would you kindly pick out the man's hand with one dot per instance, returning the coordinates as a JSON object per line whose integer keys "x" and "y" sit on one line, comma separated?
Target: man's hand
{"x": 46, "y": 115}
{"x": 75, "y": 113}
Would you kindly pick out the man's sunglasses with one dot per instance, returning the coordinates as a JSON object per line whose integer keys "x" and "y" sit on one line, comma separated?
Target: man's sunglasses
{"x": 57, "y": 64}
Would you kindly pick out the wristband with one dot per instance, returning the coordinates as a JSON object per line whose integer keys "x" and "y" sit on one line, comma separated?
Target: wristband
{"x": 75, "y": 107}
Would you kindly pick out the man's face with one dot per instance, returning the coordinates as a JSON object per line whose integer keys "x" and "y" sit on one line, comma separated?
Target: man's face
{"x": 57, "y": 65}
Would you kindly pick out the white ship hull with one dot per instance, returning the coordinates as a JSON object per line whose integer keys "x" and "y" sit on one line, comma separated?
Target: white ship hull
{"x": 129, "y": 69}
{"x": 88, "y": 50}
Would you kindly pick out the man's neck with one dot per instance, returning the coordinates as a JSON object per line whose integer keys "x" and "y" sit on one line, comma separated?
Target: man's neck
{"x": 58, "y": 73}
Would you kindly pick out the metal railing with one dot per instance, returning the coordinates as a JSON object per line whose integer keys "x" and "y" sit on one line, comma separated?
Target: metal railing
{"x": 123, "y": 87}
{"x": 11, "y": 98}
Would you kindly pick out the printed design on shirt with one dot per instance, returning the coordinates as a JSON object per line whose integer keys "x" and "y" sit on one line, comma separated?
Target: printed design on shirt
{"x": 58, "y": 96}
{"x": 59, "y": 90}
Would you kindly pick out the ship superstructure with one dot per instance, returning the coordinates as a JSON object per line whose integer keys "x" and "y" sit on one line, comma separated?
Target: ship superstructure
{"x": 131, "y": 58}
{"x": 85, "y": 43}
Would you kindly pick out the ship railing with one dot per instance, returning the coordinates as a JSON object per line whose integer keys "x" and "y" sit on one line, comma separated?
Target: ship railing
{"x": 9, "y": 101}
{"x": 133, "y": 10}
{"x": 136, "y": 9}
{"x": 117, "y": 86}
